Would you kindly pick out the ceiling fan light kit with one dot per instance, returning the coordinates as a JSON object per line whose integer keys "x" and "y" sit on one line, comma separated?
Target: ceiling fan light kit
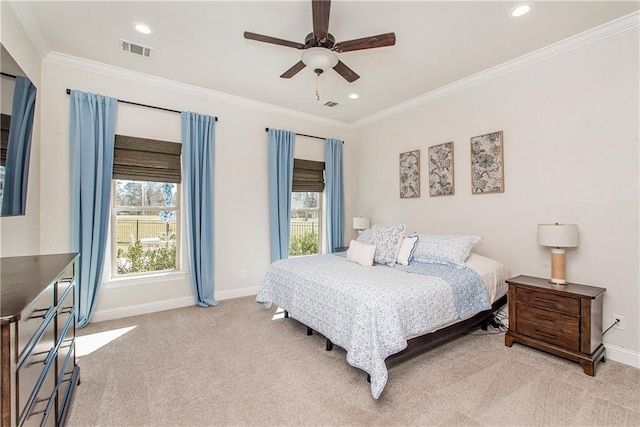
{"x": 319, "y": 59}
{"x": 320, "y": 47}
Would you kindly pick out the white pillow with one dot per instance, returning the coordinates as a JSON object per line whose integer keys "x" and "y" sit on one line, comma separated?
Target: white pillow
{"x": 387, "y": 240}
{"x": 444, "y": 249}
{"x": 361, "y": 253}
{"x": 406, "y": 249}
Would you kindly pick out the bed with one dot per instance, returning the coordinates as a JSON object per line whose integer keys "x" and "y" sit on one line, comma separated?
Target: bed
{"x": 376, "y": 312}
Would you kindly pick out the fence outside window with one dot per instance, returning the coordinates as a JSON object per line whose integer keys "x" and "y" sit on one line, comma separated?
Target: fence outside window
{"x": 143, "y": 229}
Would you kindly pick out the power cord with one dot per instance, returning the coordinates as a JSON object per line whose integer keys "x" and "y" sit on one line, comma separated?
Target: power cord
{"x": 496, "y": 322}
{"x": 614, "y": 324}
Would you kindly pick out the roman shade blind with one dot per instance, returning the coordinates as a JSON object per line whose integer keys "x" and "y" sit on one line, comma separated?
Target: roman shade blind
{"x": 5, "y": 124}
{"x": 141, "y": 159}
{"x": 308, "y": 175}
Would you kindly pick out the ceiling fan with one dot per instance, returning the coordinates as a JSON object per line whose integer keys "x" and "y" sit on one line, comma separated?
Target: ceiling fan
{"x": 320, "y": 47}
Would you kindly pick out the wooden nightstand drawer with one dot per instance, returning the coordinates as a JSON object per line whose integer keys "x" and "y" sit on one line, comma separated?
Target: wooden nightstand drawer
{"x": 548, "y": 300}
{"x": 549, "y": 326}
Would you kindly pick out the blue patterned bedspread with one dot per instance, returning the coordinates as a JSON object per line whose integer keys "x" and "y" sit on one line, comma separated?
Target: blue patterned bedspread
{"x": 371, "y": 311}
{"x": 469, "y": 293}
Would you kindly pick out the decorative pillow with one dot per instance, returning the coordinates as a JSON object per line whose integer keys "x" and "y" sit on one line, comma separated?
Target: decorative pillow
{"x": 444, "y": 249}
{"x": 366, "y": 236}
{"x": 361, "y": 253}
{"x": 406, "y": 249}
{"x": 387, "y": 240}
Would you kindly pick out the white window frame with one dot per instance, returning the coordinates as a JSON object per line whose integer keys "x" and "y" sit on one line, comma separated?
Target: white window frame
{"x": 114, "y": 232}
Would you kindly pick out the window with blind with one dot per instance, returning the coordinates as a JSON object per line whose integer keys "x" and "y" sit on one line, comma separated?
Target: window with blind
{"x": 5, "y": 124}
{"x": 145, "y": 206}
{"x": 306, "y": 207}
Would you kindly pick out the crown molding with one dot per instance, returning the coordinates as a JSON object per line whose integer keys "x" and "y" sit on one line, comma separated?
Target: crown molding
{"x": 163, "y": 83}
{"x": 593, "y": 35}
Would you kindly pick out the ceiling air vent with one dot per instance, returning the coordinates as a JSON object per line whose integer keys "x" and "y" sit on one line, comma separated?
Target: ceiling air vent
{"x": 330, "y": 104}
{"x": 135, "y": 49}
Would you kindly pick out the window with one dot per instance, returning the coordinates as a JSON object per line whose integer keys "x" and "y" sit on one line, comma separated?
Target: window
{"x": 145, "y": 215}
{"x": 306, "y": 212}
{"x": 305, "y": 223}
{"x": 5, "y": 124}
{"x": 145, "y": 219}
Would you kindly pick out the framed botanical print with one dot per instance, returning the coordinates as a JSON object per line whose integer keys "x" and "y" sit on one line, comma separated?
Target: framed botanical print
{"x": 487, "y": 163}
{"x": 410, "y": 174}
{"x": 441, "y": 178}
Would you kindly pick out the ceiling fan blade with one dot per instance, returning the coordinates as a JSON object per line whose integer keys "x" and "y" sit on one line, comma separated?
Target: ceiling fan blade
{"x": 272, "y": 40}
{"x": 346, "y": 72}
{"x": 381, "y": 40}
{"x": 293, "y": 70}
{"x": 320, "y": 10}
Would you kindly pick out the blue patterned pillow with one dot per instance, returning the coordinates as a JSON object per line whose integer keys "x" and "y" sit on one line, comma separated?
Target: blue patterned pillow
{"x": 444, "y": 249}
{"x": 387, "y": 241}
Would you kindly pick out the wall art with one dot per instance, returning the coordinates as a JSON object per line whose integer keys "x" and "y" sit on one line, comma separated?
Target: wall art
{"x": 410, "y": 174}
{"x": 487, "y": 163}
{"x": 441, "y": 179}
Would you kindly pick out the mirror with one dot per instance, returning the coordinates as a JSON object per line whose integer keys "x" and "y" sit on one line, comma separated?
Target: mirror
{"x": 17, "y": 108}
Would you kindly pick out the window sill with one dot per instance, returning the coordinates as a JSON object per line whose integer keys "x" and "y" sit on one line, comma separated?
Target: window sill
{"x": 144, "y": 279}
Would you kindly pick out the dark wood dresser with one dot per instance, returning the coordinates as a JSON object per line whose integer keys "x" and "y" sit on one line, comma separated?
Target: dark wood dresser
{"x": 39, "y": 370}
{"x": 565, "y": 320}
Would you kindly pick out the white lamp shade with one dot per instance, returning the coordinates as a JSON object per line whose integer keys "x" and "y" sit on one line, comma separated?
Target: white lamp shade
{"x": 360, "y": 223}
{"x": 558, "y": 235}
{"x": 319, "y": 58}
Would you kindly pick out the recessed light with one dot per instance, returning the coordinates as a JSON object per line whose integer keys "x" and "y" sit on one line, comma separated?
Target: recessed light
{"x": 141, "y": 27}
{"x": 521, "y": 9}
{"x": 354, "y": 96}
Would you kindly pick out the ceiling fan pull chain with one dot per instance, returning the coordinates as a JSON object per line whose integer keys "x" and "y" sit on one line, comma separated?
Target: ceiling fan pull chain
{"x": 317, "y": 91}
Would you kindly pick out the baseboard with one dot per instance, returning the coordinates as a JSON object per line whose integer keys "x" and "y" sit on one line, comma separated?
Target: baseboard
{"x": 135, "y": 310}
{"x": 622, "y": 355}
{"x": 237, "y": 293}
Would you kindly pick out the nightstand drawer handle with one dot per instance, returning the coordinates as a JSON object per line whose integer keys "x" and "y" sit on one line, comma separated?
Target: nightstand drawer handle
{"x": 544, "y": 300}
{"x": 549, "y": 319}
{"x": 546, "y": 335}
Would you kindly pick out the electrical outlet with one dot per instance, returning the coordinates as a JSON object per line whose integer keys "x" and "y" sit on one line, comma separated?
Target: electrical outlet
{"x": 620, "y": 324}
{"x": 243, "y": 273}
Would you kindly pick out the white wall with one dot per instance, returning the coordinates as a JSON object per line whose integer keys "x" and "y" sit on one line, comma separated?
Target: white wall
{"x": 571, "y": 126}
{"x": 241, "y": 200}
{"x": 20, "y": 235}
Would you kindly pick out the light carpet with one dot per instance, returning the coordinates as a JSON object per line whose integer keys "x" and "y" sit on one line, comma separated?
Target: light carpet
{"x": 239, "y": 364}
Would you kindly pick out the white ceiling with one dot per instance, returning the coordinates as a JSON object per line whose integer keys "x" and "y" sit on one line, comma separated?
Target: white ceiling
{"x": 201, "y": 43}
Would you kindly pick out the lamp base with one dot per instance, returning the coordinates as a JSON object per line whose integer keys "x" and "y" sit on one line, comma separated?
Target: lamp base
{"x": 557, "y": 266}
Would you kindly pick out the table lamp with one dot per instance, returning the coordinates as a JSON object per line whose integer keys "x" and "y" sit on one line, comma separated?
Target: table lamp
{"x": 360, "y": 223}
{"x": 558, "y": 236}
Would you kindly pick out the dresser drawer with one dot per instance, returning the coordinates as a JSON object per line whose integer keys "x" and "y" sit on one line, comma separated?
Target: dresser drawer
{"x": 33, "y": 319}
{"x": 66, "y": 351}
{"x": 41, "y": 412}
{"x": 63, "y": 286}
{"x": 548, "y": 326}
{"x": 548, "y": 300}
{"x": 65, "y": 309}
{"x": 32, "y": 370}
{"x": 66, "y": 381}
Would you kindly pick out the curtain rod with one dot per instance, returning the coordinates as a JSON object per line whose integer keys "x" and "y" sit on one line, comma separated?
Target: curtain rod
{"x": 8, "y": 75}
{"x": 302, "y": 134}
{"x": 145, "y": 105}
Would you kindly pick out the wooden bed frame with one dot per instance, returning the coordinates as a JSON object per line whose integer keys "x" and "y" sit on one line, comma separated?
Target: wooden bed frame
{"x": 424, "y": 342}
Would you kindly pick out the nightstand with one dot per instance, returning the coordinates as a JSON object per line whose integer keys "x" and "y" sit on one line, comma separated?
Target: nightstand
{"x": 565, "y": 320}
